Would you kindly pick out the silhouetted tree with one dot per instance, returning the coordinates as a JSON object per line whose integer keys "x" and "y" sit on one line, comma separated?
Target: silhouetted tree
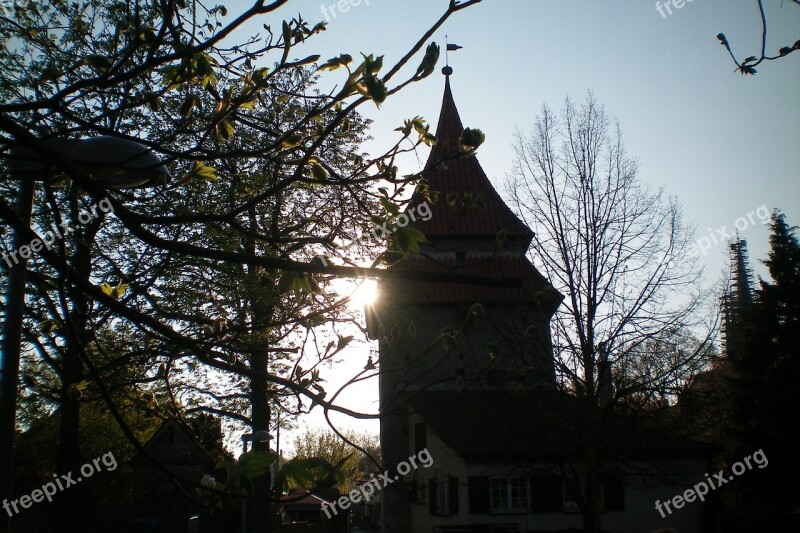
{"x": 620, "y": 254}
{"x": 766, "y": 390}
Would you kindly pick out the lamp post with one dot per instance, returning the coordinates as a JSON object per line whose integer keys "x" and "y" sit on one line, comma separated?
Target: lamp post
{"x": 113, "y": 162}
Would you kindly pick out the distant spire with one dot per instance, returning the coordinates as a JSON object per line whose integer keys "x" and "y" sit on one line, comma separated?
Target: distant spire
{"x": 739, "y": 296}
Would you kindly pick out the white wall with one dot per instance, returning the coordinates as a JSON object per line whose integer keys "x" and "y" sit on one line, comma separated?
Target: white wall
{"x": 639, "y": 516}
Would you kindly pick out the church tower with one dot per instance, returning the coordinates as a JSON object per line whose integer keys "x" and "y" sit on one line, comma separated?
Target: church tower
{"x": 456, "y": 337}
{"x": 738, "y": 298}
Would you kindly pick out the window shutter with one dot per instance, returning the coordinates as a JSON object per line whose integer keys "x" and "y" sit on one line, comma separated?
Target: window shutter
{"x": 547, "y": 494}
{"x": 479, "y": 499}
{"x": 432, "y": 496}
{"x": 420, "y": 437}
{"x": 452, "y": 497}
{"x": 614, "y": 492}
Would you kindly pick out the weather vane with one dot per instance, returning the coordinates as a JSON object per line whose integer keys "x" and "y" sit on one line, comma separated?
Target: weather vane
{"x": 447, "y": 70}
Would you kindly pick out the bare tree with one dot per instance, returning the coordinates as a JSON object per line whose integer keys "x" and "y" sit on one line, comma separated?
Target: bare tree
{"x": 620, "y": 253}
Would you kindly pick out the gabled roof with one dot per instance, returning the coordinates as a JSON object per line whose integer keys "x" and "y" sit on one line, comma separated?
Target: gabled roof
{"x": 174, "y": 443}
{"x": 304, "y": 499}
{"x": 506, "y": 427}
{"x": 463, "y": 175}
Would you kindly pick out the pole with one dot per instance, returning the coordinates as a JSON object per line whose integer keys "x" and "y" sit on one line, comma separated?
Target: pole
{"x": 12, "y": 344}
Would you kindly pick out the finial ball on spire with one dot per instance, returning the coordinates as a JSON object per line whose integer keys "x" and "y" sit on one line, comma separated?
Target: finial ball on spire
{"x": 447, "y": 70}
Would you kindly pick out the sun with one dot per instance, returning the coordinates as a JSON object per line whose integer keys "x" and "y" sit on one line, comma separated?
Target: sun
{"x": 364, "y": 293}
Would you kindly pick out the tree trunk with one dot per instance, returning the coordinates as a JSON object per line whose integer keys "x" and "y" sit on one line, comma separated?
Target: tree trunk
{"x": 69, "y": 507}
{"x": 261, "y": 516}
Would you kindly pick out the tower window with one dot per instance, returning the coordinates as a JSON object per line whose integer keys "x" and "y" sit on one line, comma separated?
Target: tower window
{"x": 461, "y": 258}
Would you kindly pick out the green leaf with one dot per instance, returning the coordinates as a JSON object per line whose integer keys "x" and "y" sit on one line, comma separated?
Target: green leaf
{"x": 292, "y": 140}
{"x": 119, "y": 290}
{"x": 224, "y": 130}
{"x": 199, "y": 171}
{"x": 448, "y": 339}
{"x": 190, "y": 102}
{"x": 470, "y": 139}
{"x": 47, "y": 326}
{"x": 318, "y": 172}
{"x": 297, "y": 282}
{"x": 306, "y": 61}
{"x": 76, "y": 390}
{"x": 146, "y": 35}
{"x": 151, "y": 99}
{"x": 50, "y": 73}
{"x": 97, "y": 61}
{"x": 375, "y": 89}
{"x": 287, "y": 37}
{"x": 372, "y": 66}
{"x": 310, "y": 472}
{"x": 390, "y": 207}
{"x": 343, "y": 341}
{"x": 428, "y": 63}
{"x": 408, "y": 239}
{"x": 336, "y": 62}
{"x": 255, "y": 463}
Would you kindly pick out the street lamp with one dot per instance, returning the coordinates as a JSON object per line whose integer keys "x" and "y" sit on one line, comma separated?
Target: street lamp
{"x": 258, "y": 436}
{"x": 112, "y": 162}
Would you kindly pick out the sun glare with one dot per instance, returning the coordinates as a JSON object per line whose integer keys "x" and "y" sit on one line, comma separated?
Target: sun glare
{"x": 365, "y": 293}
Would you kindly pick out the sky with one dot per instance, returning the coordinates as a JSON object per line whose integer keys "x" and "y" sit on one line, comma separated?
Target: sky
{"x": 722, "y": 143}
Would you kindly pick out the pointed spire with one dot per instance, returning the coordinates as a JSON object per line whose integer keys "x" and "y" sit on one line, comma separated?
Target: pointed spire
{"x": 456, "y": 177}
{"x": 449, "y": 128}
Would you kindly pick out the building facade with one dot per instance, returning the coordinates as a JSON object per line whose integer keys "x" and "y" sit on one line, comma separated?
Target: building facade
{"x": 467, "y": 371}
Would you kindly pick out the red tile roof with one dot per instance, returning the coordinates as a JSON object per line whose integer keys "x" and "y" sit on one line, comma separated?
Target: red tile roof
{"x": 463, "y": 175}
{"x": 534, "y": 287}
